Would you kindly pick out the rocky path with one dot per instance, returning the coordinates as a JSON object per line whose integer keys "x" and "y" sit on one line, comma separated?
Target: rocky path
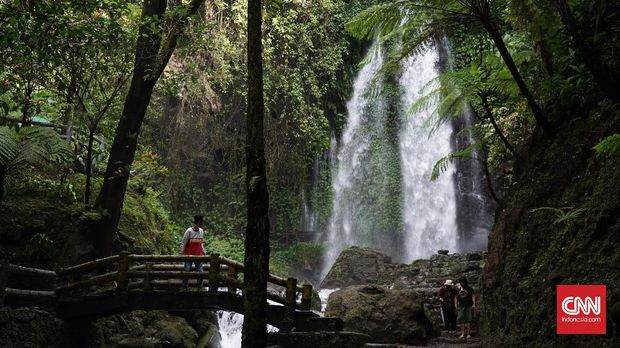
{"x": 446, "y": 340}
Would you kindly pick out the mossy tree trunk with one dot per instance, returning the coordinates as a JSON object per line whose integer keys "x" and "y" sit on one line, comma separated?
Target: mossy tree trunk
{"x": 152, "y": 56}
{"x": 257, "y": 230}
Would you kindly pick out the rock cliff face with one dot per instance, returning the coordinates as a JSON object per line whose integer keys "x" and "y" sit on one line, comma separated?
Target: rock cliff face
{"x": 388, "y": 316}
{"x": 574, "y": 239}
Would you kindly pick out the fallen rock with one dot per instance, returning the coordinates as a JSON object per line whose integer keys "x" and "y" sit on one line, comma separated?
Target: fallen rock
{"x": 388, "y": 316}
{"x": 356, "y": 266}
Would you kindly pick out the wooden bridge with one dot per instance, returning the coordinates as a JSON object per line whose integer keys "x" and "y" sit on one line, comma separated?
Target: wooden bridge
{"x": 127, "y": 282}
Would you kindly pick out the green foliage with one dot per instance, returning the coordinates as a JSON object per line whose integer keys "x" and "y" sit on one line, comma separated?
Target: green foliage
{"x": 228, "y": 246}
{"x": 297, "y": 256}
{"x": 562, "y": 215}
{"x": 609, "y": 147}
{"x": 40, "y": 248}
{"x": 32, "y": 146}
{"x": 144, "y": 225}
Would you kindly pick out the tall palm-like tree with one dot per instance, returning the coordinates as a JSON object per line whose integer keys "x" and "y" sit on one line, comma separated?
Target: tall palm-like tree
{"x": 418, "y": 22}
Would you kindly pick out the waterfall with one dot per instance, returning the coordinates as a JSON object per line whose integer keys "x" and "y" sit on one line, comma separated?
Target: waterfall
{"x": 426, "y": 218}
{"x": 353, "y": 162}
{"x": 230, "y": 325}
{"x": 429, "y": 206}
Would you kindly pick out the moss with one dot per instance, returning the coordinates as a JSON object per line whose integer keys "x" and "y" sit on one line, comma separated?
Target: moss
{"x": 533, "y": 252}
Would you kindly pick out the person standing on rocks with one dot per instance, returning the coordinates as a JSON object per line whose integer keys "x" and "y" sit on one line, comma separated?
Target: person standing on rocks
{"x": 191, "y": 244}
{"x": 447, "y": 297}
{"x": 465, "y": 304}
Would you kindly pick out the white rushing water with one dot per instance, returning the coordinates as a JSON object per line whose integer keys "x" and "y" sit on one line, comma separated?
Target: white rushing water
{"x": 429, "y": 207}
{"x": 428, "y": 218}
{"x": 231, "y": 323}
{"x": 352, "y": 159}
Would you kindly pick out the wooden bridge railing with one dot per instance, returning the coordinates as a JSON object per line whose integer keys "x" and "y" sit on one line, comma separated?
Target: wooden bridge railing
{"x": 7, "y": 269}
{"x": 126, "y": 272}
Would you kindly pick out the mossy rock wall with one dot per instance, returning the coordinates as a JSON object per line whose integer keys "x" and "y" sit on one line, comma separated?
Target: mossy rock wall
{"x": 531, "y": 251}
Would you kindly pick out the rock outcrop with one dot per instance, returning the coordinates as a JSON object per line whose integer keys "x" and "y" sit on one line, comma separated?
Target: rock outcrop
{"x": 372, "y": 290}
{"x": 388, "y": 316}
{"x": 31, "y": 327}
{"x": 356, "y": 266}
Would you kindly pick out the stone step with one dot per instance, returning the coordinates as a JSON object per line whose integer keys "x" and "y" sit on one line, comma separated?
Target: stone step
{"x": 320, "y": 324}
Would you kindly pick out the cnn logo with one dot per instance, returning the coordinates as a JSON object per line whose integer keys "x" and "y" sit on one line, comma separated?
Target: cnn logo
{"x": 576, "y": 305}
{"x": 581, "y": 309}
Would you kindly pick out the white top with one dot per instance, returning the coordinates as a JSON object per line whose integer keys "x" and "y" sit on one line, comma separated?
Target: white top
{"x": 189, "y": 235}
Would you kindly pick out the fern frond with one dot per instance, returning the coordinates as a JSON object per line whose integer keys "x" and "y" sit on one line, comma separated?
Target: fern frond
{"x": 377, "y": 20}
{"x": 8, "y": 145}
{"x": 35, "y": 145}
{"x": 443, "y": 163}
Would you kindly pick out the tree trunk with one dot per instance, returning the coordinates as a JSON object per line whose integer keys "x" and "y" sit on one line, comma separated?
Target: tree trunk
{"x": 496, "y": 36}
{"x": 27, "y": 102}
{"x": 498, "y": 131}
{"x": 89, "y": 164}
{"x": 152, "y": 56}
{"x": 545, "y": 56}
{"x": 487, "y": 173}
{"x": 605, "y": 78}
{"x": 257, "y": 229}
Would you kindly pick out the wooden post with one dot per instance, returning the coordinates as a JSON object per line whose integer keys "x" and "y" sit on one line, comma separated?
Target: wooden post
{"x": 4, "y": 275}
{"x": 148, "y": 267}
{"x": 291, "y": 300}
{"x": 306, "y": 297}
{"x": 121, "y": 276}
{"x": 232, "y": 273}
{"x": 214, "y": 271}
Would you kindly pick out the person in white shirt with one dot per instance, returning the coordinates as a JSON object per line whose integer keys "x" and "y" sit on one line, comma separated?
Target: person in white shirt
{"x": 192, "y": 244}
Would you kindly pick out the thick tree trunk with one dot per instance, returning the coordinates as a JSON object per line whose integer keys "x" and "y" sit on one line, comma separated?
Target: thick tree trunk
{"x": 257, "y": 229}
{"x": 496, "y": 36}
{"x": 498, "y": 131}
{"x": 605, "y": 78}
{"x": 152, "y": 56}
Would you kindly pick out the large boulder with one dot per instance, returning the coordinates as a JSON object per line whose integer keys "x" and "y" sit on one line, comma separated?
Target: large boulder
{"x": 388, "y": 316}
{"x": 356, "y": 266}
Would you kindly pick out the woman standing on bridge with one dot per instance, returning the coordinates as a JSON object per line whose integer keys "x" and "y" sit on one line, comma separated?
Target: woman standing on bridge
{"x": 191, "y": 244}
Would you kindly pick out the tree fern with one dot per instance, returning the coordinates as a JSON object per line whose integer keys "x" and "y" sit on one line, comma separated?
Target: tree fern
{"x": 32, "y": 146}
{"x": 8, "y": 145}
